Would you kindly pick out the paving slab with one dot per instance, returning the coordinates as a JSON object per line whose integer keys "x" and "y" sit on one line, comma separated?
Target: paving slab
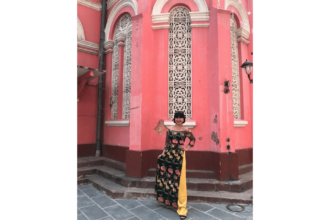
{"x": 103, "y": 201}
{"x": 128, "y": 204}
{"x": 133, "y": 209}
{"x": 118, "y": 212}
{"x": 94, "y": 212}
{"x": 81, "y": 217}
{"x": 146, "y": 214}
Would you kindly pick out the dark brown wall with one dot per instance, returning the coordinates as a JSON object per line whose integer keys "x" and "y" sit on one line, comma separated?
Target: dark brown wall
{"x": 86, "y": 150}
{"x": 245, "y": 156}
{"x": 113, "y": 152}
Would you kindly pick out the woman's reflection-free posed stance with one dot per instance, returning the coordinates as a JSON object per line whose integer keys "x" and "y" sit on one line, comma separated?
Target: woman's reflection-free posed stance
{"x": 170, "y": 185}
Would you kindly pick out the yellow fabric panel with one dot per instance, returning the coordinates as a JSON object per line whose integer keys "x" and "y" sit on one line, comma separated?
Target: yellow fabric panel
{"x": 182, "y": 200}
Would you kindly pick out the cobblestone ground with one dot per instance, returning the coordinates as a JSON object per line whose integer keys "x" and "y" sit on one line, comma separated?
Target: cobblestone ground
{"x": 93, "y": 205}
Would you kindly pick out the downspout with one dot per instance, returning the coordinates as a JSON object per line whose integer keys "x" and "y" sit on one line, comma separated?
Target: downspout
{"x": 100, "y": 93}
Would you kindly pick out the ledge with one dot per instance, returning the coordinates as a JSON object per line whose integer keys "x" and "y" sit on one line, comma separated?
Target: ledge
{"x": 240, "y": 123}
{"x": 121, "y": 123}
{"x": 188, "y": 124}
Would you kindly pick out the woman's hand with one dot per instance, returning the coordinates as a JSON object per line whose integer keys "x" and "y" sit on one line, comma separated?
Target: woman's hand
{"x": 160, "y": 155}
{"x": 185, "y": 148}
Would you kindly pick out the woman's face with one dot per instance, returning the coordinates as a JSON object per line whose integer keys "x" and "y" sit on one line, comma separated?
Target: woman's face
{"x": 179, "y": 121}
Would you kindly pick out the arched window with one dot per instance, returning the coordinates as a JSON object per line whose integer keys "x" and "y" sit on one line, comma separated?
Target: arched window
{"x": 235, "y": 69}
{"x": 179, "y": 75}
{"x": 122, "y": 37}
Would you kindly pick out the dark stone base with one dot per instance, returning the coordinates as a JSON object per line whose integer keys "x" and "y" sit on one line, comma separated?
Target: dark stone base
{"x": 86, "y": 150}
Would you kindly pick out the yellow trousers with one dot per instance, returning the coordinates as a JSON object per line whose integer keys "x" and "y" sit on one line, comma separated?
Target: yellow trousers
{"x": 182, "y": 200}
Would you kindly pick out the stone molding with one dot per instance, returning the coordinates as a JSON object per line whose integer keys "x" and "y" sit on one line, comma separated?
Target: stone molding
{"x": 121, "y": 123}
{"x": 157, "y": 27}
{"x": 120, "y": 36}
{"x": 199, "y": 16}
{"x": 194, "y": 16}
{"x": 199, "y": 25}
{"x": 80, "y": 30}
{"x": 243, "y": 40}
{"x": 121, "y": 4}
{"x": 87, "y": 51}
{"x": 121, "y": 44}
{"x": 108, "y": 44}
{"x": 188, "y": 124}
{"x": 88, "y": 44}
{"x": 159, "y": 4}
{"x": 108, "y": 51}
{"x": 110, "y": 3}
{"x": 246, "y": 26}
{"x": 242, "y": 32}
{"x": 160, "y": 18}
{"x": 90, "y": 4}
{"x": 240, "y": 123}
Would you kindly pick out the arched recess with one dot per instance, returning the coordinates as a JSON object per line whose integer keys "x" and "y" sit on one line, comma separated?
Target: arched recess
{"x": 245, "y": 20}
{"x": 121, "y": 4}
{"x": 80, "y": 30}
{"x": 158, "y": 6}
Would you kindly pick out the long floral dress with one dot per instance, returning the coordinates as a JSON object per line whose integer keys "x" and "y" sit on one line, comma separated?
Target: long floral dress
{"x": 169, "y": 166}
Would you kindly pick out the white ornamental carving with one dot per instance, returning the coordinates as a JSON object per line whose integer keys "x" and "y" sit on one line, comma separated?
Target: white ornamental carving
{"x": 123, "y": 28}
{"x": 179, "y": 77}
{"x": 235, "y": 69}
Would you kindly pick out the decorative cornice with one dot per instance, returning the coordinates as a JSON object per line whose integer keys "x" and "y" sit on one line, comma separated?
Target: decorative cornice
{"x": 122, "y": 123}
{"x": 238, "y": 5}
{"x": 160, "y": 27}
{"x": 199, "y": 16}
{"x": 240, "y": 123}
{"x": 121, "y": 4}
{"x": 200, "y": 25}
{"x": 90, "y": 4}
{"x": 242, "y": 32}
{"x": 243, "y": 40}
{"x": 110, "y": 3}
{"x": 87, "y": 44}
{"x": 87, "y": 51}
{"x": 194, "y": 16}
{"x": 160, "y": 18}
{"x": 108, "y": 44}
{"x": 80, "y": 30}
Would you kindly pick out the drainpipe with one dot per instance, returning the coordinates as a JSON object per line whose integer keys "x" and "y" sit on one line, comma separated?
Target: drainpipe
{"x": 99, "y": 107}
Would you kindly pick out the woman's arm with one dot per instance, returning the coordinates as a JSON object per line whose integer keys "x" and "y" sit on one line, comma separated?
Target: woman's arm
{"x": 192, "y": 139}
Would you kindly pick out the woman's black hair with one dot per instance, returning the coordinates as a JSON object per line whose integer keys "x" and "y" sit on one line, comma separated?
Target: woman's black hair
{"x": 179, "y": 114}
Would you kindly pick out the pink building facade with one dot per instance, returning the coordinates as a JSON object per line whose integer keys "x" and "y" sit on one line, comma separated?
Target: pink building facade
{"x": 162, "y": 56}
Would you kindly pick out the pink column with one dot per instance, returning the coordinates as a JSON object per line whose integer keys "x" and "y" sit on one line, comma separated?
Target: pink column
{"x": 120, "y": 79}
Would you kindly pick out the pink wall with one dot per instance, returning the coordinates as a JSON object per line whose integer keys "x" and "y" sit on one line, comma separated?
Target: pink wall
{"x": 87, "y": 105}
{"x": 149, "y": 91}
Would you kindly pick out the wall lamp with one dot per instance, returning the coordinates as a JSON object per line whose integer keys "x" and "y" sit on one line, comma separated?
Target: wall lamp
{"x": 247, "y": 65}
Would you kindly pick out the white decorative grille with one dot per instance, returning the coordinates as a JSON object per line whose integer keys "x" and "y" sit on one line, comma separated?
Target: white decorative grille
{"x": 179, "y": 77}
{"x": 124, "y": 26}
{"x": 235, "y": 69}
{"x": 127, "y": 72}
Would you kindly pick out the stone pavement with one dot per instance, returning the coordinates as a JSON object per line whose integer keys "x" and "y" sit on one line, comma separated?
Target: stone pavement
{"x": 92, "y": 204}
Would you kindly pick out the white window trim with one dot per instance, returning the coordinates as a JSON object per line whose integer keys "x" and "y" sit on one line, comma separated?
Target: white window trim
{"x": 117, "y": 123}
{"x": 188, "y": 124}
{"x": 240, "y": 123}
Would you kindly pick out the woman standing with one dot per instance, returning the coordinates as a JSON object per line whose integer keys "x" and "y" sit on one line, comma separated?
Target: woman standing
{"x": 170, "y": 185}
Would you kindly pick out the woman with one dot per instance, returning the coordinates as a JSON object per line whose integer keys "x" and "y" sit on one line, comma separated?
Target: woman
{"x": 170, "y": 185}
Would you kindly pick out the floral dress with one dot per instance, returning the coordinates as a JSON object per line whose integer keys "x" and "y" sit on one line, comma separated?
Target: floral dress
{"x": 169, "y": 166}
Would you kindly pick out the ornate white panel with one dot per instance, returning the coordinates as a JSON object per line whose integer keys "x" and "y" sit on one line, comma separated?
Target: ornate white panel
{"x": 123, "y": 31}
{"x": 235, "y": 69}
{"x": 121, "y": 4}
{"x": 179, "y": 76}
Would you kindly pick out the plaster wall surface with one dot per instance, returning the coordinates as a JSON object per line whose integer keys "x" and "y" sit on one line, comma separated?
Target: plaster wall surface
{"x": 211, "y": 66}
